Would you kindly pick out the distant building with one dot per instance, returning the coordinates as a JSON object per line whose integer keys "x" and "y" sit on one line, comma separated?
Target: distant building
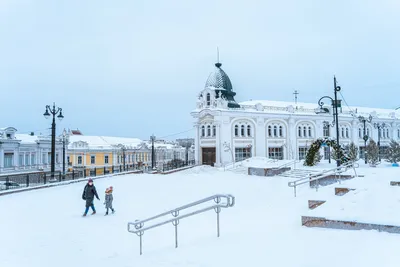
{"x": 27, "y": 152}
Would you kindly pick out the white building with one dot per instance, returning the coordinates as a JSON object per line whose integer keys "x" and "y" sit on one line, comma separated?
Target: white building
{"x": 24, "y": 152}
{"x": 227, "y": 131}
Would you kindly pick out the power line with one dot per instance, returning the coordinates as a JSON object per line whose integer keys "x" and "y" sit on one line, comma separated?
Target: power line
{"x": 351, "y": 111}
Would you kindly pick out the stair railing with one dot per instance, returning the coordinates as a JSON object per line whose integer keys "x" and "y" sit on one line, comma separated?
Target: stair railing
{"x": 315, "y": 177}
{"x": 220, "y": 201}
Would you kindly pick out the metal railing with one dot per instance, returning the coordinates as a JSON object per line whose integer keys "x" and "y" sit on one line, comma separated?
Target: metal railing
{"x": 221, "y": 201}
{"x": 293, "y": 162}
{"x": 314, "y": 177}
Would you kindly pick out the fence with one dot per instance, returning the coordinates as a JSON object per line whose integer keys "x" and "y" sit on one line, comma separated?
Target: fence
{"x": 172, "y": 165}
{"x": 14, "y": 181}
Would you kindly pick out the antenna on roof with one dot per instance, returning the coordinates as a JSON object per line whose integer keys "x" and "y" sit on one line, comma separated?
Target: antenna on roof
{"x": 295, "y": 97}
{"x": 218, "y": 64}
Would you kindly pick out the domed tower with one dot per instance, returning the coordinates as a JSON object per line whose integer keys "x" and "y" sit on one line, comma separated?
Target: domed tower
{"x": 218, "y": 85}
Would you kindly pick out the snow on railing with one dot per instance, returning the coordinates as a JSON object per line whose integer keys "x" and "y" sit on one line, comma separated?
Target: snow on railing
{"x": 139, "y": 225}
{"x": 314, "y": 177}
{"x": 293, "y": 162}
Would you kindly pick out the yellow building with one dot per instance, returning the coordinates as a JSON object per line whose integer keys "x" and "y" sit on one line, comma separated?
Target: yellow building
{"x": 102, "y": 154}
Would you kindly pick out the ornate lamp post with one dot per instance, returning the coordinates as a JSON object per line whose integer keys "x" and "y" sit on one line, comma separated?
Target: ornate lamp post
{"x": 379, "y": 126}
{"x": 335, "y": 105}
{"x": 152, "y": 139}
{"x": 363, "y": 120}
{"x": 53, "y": 111}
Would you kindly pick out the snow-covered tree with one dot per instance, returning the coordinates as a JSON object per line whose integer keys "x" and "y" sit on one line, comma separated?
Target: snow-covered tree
{"x": 352, "y": 151}
{"x": 372, "y": 152}
{"x": 393, "y": 152}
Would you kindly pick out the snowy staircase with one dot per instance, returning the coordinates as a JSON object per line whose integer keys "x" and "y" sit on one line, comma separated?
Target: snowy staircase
{"x": 297, "y": 173}
{"x": 240, "y": 169}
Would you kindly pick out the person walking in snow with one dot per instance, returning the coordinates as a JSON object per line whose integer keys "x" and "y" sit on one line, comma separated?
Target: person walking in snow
{"x": 89, "y": 192}
{"x": 109, "y": 199}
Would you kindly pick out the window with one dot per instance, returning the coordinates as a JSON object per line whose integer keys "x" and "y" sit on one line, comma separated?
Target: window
{"x": 398, "y": 133}
{"x": 8, "y": 136}
{"x": 203, "y": 131}
{"x": 387, "y": 133}
{"x": 368, "y": 132}
{"x": 21, "y": 160}
{"x": 275, "y": 131}
{"x": 242, "y": 153}
{"x": 305, "y": 131}
{"x": 302, "y": 152}
{"x": 269, "y": 131}
{"x": 327, "y": 152}
{"x": 106, "y": 159}
{"x": 8, "y": 160}
{"x": 33, "y": 159}
{"x": 280, "y": 131}
{"x": 79, "y": 160}
{"x": 208, "y": 130}
{"x": 214, "y": 130}
{"x": 275, "y": 152}
{"x": 236, "y": 130}
{"x": 49, "y": 158}
{"x": 309, "y": 132}
{"x": 299, "y": 131}
{"x": 326, "y": 129}
{"x": 208, "y": 99}
{"x": 27, "y": 160}
{"x": 342, "y": 132}
{"x": 382, "y": 133}
{"x": 92, "y": 159}
{"x": 44, "y": 158}
{"x": 242, "y": 130}
{"x": 359, "y": 133}
{"x": 57, "y": 158}
{"x": 347, "y": 132}
{"x": 248, "y": 130}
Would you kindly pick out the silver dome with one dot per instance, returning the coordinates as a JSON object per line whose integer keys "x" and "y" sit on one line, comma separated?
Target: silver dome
{"x": 219, "y": 79}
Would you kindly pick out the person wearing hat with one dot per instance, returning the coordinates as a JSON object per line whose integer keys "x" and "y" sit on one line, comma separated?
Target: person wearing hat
{"x": 89, "y": 192}
{"x": 109, "y": 199}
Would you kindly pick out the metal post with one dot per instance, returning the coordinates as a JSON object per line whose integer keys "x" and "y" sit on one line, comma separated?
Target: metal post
{"x": 63, "y": 157}
{"x": 140, "y": 236}
{"x": 73, "y": 174}
{"x": 27, "y": 180}
{"x": 217, "y": 210}
{"x": 365, "y": 144}
{"x": 53, "y": 146}
{"x": 336, "y": 89}
{"x": 175, "y": 223}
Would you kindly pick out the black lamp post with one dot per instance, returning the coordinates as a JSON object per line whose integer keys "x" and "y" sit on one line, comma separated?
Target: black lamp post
{"x": 335, "y": 104}
{"x": 53, "y": 111}
{"x": 379, "y": 126}
{"x": 365, "y": 137}
{"x": 63, "y": 155}
{"x": 152, "y": 138}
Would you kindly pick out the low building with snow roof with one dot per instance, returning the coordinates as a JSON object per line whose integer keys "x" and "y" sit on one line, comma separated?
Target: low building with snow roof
{"x": 228, "y": 131}
{"x": 27, "y": 152}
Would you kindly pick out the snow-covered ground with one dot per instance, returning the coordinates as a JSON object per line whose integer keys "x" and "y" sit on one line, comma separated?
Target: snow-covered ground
{"x": 44, "y": 228}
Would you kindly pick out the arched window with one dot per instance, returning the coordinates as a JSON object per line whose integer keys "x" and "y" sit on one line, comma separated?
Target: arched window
{"x": 208, "y": 99}
{"x": 248, "y": 130}
{"x": 382, "y": 133}
{"x": 242, "y": 130}
{"x": 342, "y": 132}
{"x": 214, "y": 130}
{"x": 299, "y": 131}
{"x": 387, "y": 133}
{"x": 280, "y": 131}
{"x": 269, "y": 131}
{"x": 305, "y": 131}
{"x": 275, "y": 131}
{"x": 208, "y": 130}
{"x": 347, "y": 132}
{"x": 203, "y": 131}
{"x": 359, "y": 133}
{"x": 368, "y": 131}
{"x": 309, "y": 132}
{"x": 236, "y": 130}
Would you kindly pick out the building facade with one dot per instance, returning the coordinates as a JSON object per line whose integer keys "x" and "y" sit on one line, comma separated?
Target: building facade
{"x": 228, "y": 131}
{"x": 27, "y": 152}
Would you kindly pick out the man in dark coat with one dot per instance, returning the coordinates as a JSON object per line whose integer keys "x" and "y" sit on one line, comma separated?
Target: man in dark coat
{"x": 89, "y": 192}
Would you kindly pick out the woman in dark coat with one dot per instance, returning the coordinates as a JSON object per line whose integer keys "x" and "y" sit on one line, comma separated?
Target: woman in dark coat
{"x": 89, "y": 192}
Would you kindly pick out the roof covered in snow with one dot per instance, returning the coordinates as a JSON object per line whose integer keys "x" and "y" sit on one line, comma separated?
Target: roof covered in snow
{"x": 101, "y": 142}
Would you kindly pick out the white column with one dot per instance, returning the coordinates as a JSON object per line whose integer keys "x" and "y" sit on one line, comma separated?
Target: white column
{"x": 218, "y": 145}
{"x": 260, "y": 138}
{"x": 1, "y": 157}
{"x": 197, "y": 145}
{"x": 354, "y": 132}
{"x": 292, "y": 140}
{"x": 319, "y": 131}
{"x": 16, "y": 158}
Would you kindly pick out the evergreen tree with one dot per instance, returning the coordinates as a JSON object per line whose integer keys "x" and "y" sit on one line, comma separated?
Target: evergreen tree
{"x": 352, "y": 151}
{"x": 372, "y": 152}
{"x": 393, "y": 152}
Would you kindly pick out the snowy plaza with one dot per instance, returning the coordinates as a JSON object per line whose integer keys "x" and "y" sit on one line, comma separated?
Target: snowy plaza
{"x": 45, "y": 227}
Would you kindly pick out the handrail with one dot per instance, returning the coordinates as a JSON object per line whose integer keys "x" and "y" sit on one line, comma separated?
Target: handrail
{"x": 139, "y": 228}
{"x": 289, "y": 163}
{"x": 323, "y": 174}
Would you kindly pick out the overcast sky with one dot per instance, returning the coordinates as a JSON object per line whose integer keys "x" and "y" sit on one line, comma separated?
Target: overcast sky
{"x": 133, "y": 68}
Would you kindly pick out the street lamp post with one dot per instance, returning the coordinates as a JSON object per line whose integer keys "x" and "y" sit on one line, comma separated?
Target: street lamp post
{"x": 152, "y": 138}
{"x": 379, "y": 126}
{"x": 363, "y": 120}
{"x": 63, "y": 156}
{"x": 53, "y": 111}
{"x": 335, "y": 104}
